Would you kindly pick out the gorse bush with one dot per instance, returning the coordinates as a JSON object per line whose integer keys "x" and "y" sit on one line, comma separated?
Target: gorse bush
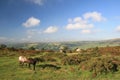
{"x": 74, "y": 59}
{"x": 100, "y": 65}
{"x": 77, "y": 59}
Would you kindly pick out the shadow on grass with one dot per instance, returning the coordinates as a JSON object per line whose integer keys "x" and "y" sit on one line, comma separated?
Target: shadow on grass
{"x": 51, "y": 66}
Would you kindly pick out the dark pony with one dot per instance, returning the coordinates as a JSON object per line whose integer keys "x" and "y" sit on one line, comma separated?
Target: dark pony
{"x": 23, "y": 59}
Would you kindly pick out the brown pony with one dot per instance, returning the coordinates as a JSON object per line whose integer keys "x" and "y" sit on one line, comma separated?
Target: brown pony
{"x": 23, "y": 59}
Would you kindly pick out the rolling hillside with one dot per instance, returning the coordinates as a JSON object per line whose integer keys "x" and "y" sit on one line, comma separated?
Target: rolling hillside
{"x": 70, "y": 45}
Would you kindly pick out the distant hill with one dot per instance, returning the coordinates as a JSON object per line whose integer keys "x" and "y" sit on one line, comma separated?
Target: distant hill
{"x": 71, "y": 45}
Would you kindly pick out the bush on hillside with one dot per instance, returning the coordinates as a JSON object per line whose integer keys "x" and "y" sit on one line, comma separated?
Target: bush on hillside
{"x": 100, "y": 65}
{"x": 74, "y": 59}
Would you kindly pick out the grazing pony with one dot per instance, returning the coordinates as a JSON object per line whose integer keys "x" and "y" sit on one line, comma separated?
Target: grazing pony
{"x": 30, "y": 61}
{"x": 22, "y": 60}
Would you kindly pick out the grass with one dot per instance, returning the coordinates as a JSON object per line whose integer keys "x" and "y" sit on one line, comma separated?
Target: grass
{"x": 10, "y": 70}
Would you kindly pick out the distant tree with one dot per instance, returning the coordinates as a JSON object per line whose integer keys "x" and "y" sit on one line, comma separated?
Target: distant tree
{"x": 2, "y": 46}
{"x": 43, "y": 49}
{"x": 12, "y": 49}
{"x": 32, "y": 48}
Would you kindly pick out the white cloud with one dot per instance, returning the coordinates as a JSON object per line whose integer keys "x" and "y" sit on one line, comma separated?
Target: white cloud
{"x": 51, "y": 29}
{"x": 78, "y": 23}
{"x": 78, "y": 19}
{"x": 90, "y": 31}
{"x": 85, "y": 21}
{"x": 31, "y": 22}
{"x": 95, "y": 16}
{"x": 87, "y": 31}
{"x": 118, "y": 29}
{"x": 38, "y": 2}
{"x": 78, "y": 26}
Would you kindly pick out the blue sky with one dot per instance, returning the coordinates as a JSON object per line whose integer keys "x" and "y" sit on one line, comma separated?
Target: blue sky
{"x": 59, "y": 20}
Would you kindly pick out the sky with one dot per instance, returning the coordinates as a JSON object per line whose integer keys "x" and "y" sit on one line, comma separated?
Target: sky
{"x": 59, "y": 20}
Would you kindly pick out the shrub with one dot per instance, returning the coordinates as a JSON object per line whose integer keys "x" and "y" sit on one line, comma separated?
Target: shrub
{"x": 100, "y": 65}
{"x": 74, "y": 59}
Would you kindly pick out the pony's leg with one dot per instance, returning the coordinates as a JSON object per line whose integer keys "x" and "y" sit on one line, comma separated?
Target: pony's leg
{"x": 33, "y": 66}
{"x": 29, "y": 65}
{"x": 20, "y": 63}
{"x": 25, "y": 64}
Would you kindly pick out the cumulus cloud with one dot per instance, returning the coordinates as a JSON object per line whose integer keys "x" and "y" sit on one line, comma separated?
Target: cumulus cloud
{"x": 90, "y": 31}
{"x": 85, "y": 23}
{"x": 79, "y": 26}
{"x": 38, "y": 2}
{"x": 78, "y": 23}
{"x": 31, "y": 22}
{"x": 79, "y": 19}
{"x": 95, "y": 16}
{"x": 118, "y": 29}
{"x": 51, "y": 29}
{"x": 87, "y": 31}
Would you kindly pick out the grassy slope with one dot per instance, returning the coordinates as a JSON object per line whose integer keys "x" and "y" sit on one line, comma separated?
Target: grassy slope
{"x": 10, "y": 70}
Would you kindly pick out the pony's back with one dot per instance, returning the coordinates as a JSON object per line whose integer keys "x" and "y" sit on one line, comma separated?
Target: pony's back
{"x": 22, "y": 59}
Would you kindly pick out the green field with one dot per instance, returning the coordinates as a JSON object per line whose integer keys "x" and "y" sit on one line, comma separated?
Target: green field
{"x": 48, "y": 70}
